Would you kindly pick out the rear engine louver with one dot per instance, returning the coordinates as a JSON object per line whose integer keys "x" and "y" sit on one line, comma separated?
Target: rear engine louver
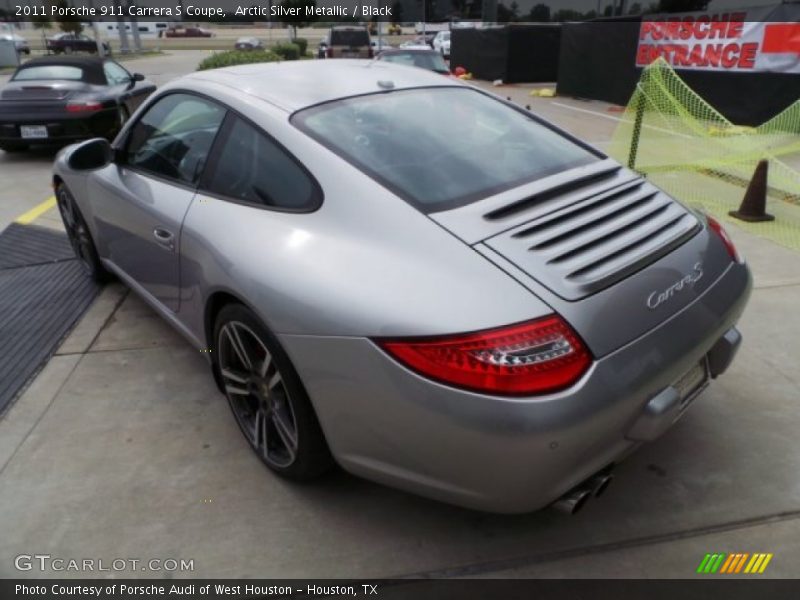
{"x": 597, "y": 230}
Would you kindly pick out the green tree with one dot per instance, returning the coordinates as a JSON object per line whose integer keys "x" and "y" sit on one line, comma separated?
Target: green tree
{"x": 41, "y": 22}
{"x": 300, "y": 20}
{"x": 68, "y": 24}
{"x": 540, "y": 13}
{"x": 567, "y": 14}
{"x": 507, "y": 14}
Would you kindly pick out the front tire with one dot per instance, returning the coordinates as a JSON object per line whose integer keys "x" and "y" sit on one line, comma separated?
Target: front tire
{"x": 267, "y": 397}
{"x": 80, "y": 238}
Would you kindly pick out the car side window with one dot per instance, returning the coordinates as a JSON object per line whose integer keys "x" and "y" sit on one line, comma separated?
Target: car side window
{"x": 251, "y": 167}
{"x": 173, "y": 138}
{"x": 115, "y": 74}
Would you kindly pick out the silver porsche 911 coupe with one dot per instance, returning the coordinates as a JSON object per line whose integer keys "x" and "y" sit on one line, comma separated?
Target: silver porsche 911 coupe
{"x": 410, "y": 277}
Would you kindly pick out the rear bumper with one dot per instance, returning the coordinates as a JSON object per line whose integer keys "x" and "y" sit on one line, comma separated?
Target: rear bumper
{"x": 61, "y": 129}
{"x": 507, "y": 455}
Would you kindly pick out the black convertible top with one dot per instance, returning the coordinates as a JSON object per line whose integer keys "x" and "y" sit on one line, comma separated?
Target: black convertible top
{"x": 92, "y": 66}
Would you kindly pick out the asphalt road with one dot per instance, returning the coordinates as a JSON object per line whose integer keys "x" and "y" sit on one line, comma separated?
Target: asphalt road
{"x": 122, "y": 447}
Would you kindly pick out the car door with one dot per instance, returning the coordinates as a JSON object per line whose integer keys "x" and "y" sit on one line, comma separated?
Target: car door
{"x": 139, "y": 202}
{"x": 130, "y": 93}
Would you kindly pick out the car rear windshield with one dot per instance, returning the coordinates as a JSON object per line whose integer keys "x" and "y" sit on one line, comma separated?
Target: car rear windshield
{"x": 48, "y": 72}
{"x": 433, "y": 61}
{"x": 354, "y": 37}
{"x": 444, "y": 147}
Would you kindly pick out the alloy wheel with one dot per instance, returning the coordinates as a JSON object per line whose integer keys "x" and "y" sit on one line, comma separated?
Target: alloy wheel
{"x": 77, "y": 232}
{"x": 257, "y": 393}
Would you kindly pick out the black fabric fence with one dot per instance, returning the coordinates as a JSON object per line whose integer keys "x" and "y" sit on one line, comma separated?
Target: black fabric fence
{"x": 515, "y": 53}
{"x": 598, "y": 62}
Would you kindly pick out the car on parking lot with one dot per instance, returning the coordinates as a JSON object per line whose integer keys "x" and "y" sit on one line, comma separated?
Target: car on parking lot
{"x": 248, "y": 43}
{"x": 58, "y": 100}
{"x": 441, "y": 43}
{"x": 67, "y": 43}
{"x": 20, "y": 43}
{"x": 410, "y": 277}
{"x": 416, "y": 57}
{"x": 188, "y": 32}
{"x": 349, "y": 41}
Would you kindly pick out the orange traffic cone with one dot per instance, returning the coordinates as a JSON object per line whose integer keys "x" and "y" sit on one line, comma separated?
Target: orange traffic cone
{"x": 754, "y": 203}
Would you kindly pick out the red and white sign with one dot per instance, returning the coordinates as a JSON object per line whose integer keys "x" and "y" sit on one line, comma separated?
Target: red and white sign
{"x": 742, "y": 41}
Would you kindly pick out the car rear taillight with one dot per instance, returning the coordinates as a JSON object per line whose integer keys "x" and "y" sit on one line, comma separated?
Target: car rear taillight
{"x": 536, "y": 357}
{"x": 75, "y": 107}
{"x": 717, "y": 228}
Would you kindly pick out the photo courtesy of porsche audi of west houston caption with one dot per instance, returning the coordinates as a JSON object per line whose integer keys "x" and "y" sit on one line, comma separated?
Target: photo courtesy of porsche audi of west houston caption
{"x": 191, "y": 589}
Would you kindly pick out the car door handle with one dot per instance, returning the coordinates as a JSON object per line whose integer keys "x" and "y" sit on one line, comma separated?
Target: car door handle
{"x": 164, "y": 237}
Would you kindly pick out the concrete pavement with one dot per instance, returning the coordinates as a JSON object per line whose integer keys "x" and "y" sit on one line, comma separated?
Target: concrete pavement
{"x": 123, "y": 448}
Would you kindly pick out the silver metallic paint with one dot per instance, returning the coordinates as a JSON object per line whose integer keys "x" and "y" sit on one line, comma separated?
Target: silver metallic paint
{"x": 367, "y": 264}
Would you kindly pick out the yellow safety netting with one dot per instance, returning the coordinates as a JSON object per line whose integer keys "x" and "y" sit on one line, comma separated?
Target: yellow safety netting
{"x": 686, "y": 147}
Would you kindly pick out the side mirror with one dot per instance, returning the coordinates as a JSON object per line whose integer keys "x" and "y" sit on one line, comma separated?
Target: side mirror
{"x": 137, "y": 77}
{"x": 90, "y": 155}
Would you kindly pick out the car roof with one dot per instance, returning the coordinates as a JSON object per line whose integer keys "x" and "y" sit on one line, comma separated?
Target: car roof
{"x": 91, "y": 65}
{"x": 299, "y": 84}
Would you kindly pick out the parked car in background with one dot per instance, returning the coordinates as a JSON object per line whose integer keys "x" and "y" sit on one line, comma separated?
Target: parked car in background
{"x": 424, "y": 58}
{"x": 67, "y": 43}
{"x": 188, "y": 32}
{"x": 20, "y": 43}
{"x": 58, "y": 100}
{"x": 441, "y": 43}
{"x": 411, "y": 277}
{"x": 416, "y": 44}
{"x": 249, "y": 43}
{"x": 347, "y": 41}
{"x": 426, "y": 39}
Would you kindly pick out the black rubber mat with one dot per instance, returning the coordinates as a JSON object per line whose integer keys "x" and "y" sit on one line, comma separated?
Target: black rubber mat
{"x": 43, "y": 292}
{"x": 25, "y": 245}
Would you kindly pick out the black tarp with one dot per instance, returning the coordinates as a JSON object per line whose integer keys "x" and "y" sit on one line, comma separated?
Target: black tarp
{"x": 514, "y": 53}
{"x": 598, "y": 61}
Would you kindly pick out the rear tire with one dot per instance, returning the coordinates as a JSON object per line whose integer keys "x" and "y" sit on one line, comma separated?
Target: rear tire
{"x": 68, "y": 50}
{"x": 267, "y": 397}
{"x": 80, "y": 238}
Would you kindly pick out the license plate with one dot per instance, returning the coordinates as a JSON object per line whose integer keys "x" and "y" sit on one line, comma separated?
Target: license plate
{"x": 691, "y": 381}
{"x": 33, "y": 131}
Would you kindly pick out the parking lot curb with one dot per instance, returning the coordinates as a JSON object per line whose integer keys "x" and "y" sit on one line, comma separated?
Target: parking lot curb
{"x": 83, "y": 335}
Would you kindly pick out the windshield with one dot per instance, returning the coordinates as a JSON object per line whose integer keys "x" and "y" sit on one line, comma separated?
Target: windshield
{"x": 442, "y": 147}
{"x": 48, "y": 72}
{"x": 433, "y": 61}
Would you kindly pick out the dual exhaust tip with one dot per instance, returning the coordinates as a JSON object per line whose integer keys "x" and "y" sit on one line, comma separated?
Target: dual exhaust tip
{"x": 576, "y": 499}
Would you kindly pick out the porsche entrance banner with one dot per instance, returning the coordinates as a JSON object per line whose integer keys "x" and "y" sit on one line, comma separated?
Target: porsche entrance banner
{"x": 748, "y": 40}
